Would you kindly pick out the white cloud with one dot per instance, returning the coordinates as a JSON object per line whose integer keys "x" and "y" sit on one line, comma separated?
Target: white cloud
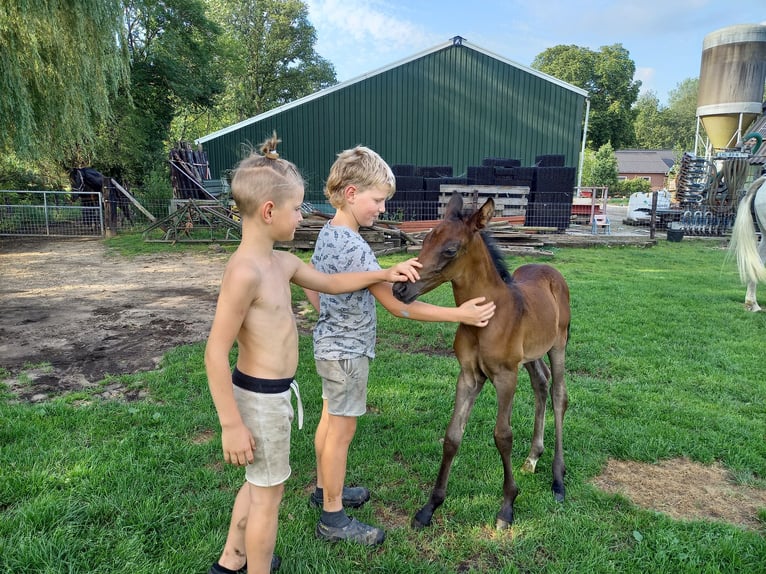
{"x": 359, "y": 36}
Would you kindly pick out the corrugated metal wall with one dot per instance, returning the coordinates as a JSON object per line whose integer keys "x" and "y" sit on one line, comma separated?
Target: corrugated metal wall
{"x": 453, "y": 106}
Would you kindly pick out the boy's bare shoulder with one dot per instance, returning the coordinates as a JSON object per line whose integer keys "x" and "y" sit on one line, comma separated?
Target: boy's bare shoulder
{"x": 242, "y": 269}
{"x": 289, "y": 262}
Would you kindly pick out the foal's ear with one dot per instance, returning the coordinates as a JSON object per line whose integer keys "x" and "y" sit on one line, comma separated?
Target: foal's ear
{"x": 483, "y": 216}
{"x": 454, "y": 207}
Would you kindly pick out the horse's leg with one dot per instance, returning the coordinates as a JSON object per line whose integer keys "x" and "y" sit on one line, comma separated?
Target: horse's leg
{"x": 751, "y": 303}
{"x": 559, "y": 402}
{"x": 505, "y": 386}
{"x": 539, "y": 374}
{"x": 469, "y": 384}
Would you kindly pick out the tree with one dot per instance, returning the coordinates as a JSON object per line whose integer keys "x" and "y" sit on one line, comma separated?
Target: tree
{"x": 682, "y": 113}
{"x": 61, "y": 63}
{"x": 270, "y": 56}
{"x": 651, "y": 125}
{"x": 604, "y": 171}
{"x": 607, "y": 75}
{"x": 671, "y": 127}
{"x": 174, "y": 64}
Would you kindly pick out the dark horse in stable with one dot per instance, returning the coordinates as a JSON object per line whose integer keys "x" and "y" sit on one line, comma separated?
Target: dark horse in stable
{"x": 89, "y": 182}
{"x": 531, "y": 321}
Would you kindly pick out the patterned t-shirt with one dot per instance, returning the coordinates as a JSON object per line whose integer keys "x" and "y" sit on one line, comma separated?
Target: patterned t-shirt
{"x": 347, "y": 321}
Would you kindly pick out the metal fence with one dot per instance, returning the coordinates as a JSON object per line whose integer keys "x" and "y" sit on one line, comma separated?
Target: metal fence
{"x": 73, "y": 214}
{"x": 60, "y": 213}
{"x": 51, "y": 213}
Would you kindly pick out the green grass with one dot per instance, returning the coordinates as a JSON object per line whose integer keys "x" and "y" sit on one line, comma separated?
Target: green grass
{"x": 663, "y": 362}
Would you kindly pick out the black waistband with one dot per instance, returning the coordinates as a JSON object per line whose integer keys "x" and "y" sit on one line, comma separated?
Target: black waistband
{"x": 258, "y": 385}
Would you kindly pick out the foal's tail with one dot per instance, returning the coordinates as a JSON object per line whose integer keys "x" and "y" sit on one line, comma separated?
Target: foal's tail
{"x": 743, "y": 244}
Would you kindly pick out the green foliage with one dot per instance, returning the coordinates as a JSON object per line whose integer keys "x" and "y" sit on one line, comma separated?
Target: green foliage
{"x": 18, "y": 174}
{"x": 671, "y": 127}
{"x": 60, "y": 65}
{"x": 604, "y": 168}
{"x": 607, "y": 75}
{"x": 628, "y": 187}
{"x": 271, "y": 59}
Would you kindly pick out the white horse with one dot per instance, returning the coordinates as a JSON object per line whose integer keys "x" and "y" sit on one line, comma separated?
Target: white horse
{"x": 751, "y": 257}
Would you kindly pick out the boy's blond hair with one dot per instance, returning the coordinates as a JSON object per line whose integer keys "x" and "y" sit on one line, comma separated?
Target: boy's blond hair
{"x": 361, "y": 167}
{"x": 262, "y": 177}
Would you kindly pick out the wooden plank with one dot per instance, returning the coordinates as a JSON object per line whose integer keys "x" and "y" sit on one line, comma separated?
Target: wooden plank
{"x": 134, "y": 201}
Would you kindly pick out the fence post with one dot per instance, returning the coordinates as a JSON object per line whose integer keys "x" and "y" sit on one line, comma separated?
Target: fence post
{"x": 653, "y": 220}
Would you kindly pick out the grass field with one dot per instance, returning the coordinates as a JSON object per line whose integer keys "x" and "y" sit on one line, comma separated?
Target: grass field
{"x": 663, "y": 362}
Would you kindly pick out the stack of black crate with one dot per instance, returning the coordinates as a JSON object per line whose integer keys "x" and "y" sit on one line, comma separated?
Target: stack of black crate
{"x": 417, "y": 190}
{"x": 551, "y": 188}
{"x": 551, "y": 192}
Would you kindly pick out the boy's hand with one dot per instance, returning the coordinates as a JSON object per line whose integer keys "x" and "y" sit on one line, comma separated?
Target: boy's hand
{"x": 404, "y": 271}
{"x": 238, "y": 445}
{"x": 476, "y": 314}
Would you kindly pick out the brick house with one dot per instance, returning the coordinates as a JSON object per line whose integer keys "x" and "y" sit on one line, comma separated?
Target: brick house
{"x": 651, "y": 165}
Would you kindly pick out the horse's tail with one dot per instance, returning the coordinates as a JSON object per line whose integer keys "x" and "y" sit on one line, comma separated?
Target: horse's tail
{"x": 743, "y": 244}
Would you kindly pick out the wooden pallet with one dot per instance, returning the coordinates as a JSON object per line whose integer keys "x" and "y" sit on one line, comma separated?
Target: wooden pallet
{"x": 509, "y": 200}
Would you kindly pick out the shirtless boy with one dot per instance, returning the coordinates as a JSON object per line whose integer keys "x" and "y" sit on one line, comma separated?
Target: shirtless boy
{"x": 254, "y": 309}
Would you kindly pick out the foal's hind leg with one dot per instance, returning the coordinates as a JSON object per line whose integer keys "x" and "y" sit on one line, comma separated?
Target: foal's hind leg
{"x": 468, "y": 386}
{"x": 559, "y": 401}
{"x": 539, "y": 373}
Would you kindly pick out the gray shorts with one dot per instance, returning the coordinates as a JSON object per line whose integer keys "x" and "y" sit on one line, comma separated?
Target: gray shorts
{"x": 268, "y": 416}
{"x": 344, "y": 385}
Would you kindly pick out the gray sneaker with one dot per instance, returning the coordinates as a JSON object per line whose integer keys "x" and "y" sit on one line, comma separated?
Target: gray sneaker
{"x": 354, "y": 531}
{"x": 353, "y": 497}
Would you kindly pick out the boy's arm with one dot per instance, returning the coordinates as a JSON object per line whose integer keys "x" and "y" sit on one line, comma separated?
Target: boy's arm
{"x": 311, "y": 295}
{"x": 233, "y": 303}
{"x": 472, "y": 312}
{"x": 309, "y": 278}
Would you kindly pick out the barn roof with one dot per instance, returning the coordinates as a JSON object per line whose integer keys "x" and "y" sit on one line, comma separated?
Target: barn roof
{"x": 457, "y": 40}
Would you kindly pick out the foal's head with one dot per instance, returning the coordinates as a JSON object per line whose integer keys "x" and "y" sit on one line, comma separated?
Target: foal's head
{"x": 444, "y": 247}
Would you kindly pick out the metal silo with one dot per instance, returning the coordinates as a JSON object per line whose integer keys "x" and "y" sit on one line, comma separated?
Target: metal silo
{"x": 732, "y": 75}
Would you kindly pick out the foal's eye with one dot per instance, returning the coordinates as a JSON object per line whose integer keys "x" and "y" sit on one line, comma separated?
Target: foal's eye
{"x": 450, "y": 251}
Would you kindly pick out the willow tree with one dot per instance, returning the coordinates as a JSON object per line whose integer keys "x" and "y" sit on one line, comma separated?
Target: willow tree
{"x": 61, "y": 63}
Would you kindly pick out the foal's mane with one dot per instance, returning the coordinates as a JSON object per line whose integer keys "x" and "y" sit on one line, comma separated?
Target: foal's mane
{"x": 497, "y": 257}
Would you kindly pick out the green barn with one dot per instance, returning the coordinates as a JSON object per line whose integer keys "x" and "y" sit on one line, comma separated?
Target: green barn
{"x": 453, "y": 105}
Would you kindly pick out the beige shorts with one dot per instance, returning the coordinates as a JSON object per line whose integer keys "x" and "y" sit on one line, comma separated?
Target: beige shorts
{"x": 268, "y": 416}
{"x": 344, "y": 385}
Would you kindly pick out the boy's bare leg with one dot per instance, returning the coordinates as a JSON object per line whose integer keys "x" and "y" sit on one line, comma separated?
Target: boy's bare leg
{"x": 332, "y": 459}
{"x": 261, "y": 530}
{"x": 319, "y": 439}
{"x": 234, "y": 554}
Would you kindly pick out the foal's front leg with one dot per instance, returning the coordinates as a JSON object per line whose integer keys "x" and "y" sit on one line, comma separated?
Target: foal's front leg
{"x": 469, "y": 384}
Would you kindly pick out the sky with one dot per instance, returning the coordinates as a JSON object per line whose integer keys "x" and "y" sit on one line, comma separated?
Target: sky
{"x": 663, "y": 37}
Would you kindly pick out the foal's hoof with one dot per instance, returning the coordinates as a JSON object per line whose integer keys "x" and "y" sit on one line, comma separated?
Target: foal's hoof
{"x": 417, "y": 525}
{"x": 420, "y": 520}
{"x": 502, "y": 524}
{"x": 529, "y": 466}
{"x": 558, "y": 493}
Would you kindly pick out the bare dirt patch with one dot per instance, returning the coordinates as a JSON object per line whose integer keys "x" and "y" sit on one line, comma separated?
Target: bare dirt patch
{"x": 73, "y": 313}
{"x": 685, "y": 490}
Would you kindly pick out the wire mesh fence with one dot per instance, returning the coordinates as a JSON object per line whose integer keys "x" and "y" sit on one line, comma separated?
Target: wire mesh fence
{"x": 62, "y": 213}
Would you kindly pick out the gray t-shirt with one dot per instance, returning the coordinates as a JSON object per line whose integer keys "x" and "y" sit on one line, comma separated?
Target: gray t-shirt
{"x": 347, "y": 321}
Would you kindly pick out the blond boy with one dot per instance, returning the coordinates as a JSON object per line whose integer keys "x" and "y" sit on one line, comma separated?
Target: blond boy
{"x": 358, "y": 186}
